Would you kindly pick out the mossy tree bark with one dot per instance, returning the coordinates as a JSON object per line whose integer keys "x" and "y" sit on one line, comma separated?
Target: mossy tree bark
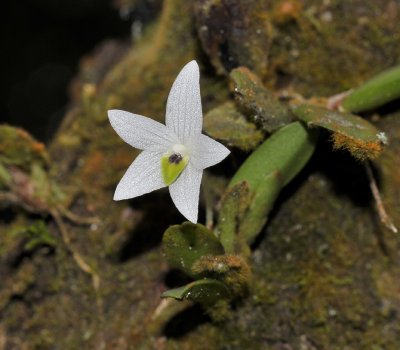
{"x": 326, "y": 274}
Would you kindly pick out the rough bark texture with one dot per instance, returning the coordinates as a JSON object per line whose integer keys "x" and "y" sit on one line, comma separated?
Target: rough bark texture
{"x": 326, "y": 274}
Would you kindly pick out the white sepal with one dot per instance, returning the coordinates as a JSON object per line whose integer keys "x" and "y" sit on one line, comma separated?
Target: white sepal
{"x": 143, "y": 176}
{"x": 184, "y": 115}
{"x": 185, "y": 192}
{"x": 206, "y": 152}
{"x": 141, "y": 132}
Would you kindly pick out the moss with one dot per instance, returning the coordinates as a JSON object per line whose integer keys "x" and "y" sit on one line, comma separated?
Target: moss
{"x": 361, "y": 150}
{"x": 229, "y": 269}
{"x": 18, "y": 148}
{"x": 34, "y": 236}
{"x": 20, "y": 242}
{"x": 291, "y": 43}
{"x": 5, "y": 177}
{"x": 233, "y": 34}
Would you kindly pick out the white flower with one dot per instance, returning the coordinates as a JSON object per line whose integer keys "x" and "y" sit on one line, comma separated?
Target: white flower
{"x": 174, "y": 154}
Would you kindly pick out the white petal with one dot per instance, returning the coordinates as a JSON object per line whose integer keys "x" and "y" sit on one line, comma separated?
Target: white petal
{"x": 143, "y": 176}
{"x": 206, "y": 152}
{"x": 184, "y": 115}
{"x": 185, "y": 192}
{"x": 141, "y": 132}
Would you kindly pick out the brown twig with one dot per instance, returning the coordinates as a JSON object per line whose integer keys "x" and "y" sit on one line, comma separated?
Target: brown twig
{"x": 8, "y": 197}
{"x": 57, "y": 215}
{"x": 83, "y": 265}
{"x": 76, "y": 219}
{"x": 383, "y": 215}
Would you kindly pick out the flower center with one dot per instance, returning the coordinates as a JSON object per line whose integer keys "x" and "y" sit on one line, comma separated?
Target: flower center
{"x": 173, "y": 163}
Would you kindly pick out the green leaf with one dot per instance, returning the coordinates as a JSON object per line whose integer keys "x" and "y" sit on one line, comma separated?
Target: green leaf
{"x": 227, "y": 124}
{"x": 269, "y": 168}
{"x": 285, "y": 152}
{"x": 258, "y": 102}
{"x": 381, "y": 89}
{"x": 235, "y": 202}
{"x": 205, "y": 291}
{"x": 351, "y": 132}
{"x": 262, "y": 202}
{"x": 185, "y": 244}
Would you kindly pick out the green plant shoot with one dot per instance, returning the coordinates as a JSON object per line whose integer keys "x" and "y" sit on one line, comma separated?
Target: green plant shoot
{"x": 377, "y": 91}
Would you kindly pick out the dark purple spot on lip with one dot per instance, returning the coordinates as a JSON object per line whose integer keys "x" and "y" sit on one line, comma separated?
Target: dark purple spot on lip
{"x": 175, "y": 158}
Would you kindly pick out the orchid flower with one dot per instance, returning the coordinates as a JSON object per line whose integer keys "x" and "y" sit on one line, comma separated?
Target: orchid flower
{"x": 174, "y": 154}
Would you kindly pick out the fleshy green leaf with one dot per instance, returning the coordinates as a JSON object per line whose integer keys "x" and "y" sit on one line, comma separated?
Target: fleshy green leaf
{"x": 285, "y": 152}
{"x": 185, "y": 244}
{"x": 269, "y": 168}
{"x": 262, "y": 202}
{"x": 258, "y": 102}
{"x": 354, "y": 133}
{"x": 205, "y": 291}
{"x": 235, "y": 202}
{"x": 381, "y": 89}
{"x": 226, "y": 123}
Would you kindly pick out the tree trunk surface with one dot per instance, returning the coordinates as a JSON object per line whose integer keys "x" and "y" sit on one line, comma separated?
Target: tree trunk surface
{"x": 326, "y": 273}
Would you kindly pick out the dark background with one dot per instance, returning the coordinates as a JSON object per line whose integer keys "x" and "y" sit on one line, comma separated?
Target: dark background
{"x": 42, "y": 42}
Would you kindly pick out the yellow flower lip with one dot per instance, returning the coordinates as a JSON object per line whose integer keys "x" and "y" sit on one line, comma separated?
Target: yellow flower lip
{"x": 173, "y": 163}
